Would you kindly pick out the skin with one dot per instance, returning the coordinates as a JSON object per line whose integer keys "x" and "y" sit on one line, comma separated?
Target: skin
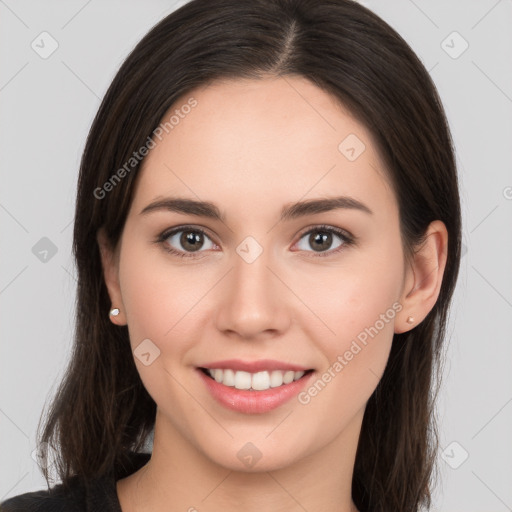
{"x": 253, "y": 147}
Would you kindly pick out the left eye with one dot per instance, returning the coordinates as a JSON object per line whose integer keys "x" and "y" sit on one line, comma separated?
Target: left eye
{"x": 321, "y": 240}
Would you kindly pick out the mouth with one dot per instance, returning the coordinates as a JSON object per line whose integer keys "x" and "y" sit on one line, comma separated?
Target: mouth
{"x": 258, "y": 381}
{"x": 253, "y": 388}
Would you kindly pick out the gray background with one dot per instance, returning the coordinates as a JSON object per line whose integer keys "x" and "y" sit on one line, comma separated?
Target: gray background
{"x": 47, "y": 105}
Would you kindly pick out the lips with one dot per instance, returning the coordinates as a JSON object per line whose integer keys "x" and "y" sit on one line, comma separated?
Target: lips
{"x": 253, "y": 387}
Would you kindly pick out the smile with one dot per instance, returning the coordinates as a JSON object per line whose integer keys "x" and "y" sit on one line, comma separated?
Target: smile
{"x": 253, "y": 387}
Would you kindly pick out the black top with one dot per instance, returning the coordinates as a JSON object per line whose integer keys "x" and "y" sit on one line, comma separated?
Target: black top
{"x": 99, "y": 495}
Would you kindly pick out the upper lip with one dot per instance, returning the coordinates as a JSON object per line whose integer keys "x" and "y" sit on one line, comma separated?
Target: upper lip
{"x": 254, "y": 366}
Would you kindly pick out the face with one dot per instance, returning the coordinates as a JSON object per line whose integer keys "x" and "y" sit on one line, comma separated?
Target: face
{"x": 255, "y": 291}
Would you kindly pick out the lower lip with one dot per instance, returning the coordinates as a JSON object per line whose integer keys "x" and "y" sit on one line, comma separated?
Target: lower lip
{"x": 253, "y": 402}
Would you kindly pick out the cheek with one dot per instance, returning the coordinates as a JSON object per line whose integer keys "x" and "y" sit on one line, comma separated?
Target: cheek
{"x": 159, "y": 301}
{"x": 355, "y": 307}
{"x": 353, "y": 296}
{"x": 355, "y": 357}
{"x": 158, "y": 297}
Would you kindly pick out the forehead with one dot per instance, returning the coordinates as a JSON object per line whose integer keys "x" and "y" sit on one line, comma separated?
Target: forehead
{"x": 259, "y": 141}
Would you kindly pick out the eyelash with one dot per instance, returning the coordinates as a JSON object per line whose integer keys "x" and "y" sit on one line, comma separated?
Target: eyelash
{"x": 343, "y": 235}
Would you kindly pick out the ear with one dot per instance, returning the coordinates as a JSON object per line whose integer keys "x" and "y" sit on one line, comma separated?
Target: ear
{"x": 424, "y": 277}
{"x": 110, "y": 264}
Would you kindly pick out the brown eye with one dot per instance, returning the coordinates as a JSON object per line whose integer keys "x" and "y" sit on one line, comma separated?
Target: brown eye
{"x": 321, "y": 240}
{"x": 189, "y": 240}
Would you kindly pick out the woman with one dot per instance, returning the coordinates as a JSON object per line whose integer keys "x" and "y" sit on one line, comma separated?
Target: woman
{"x": 267, "y": 238}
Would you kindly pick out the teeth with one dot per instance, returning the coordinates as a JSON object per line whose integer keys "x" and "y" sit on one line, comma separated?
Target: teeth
{"x": 259, "y": 381}
{"x": 228, "y": 378}
{"x": 276, "y": 379}
{"x": 242, "y": 380}
{"x": 288, "y": 377}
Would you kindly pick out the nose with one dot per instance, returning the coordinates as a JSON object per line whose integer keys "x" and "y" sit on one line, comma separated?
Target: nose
{"x": 253, "y": 303}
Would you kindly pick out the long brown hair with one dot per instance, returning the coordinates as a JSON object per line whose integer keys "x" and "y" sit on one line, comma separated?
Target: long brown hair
{"x": 101, "y": 409}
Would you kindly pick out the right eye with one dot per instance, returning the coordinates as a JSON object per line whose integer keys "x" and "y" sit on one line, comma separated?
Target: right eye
{"x": 185, "y": 241}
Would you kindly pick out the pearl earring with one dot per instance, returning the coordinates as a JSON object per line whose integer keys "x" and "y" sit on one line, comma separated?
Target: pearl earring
{"x": 410, "y": 320}
{"x": 114, "y": 311}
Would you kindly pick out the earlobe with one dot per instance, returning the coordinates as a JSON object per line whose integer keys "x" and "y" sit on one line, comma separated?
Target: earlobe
{"x": 114, "y": 315}
{"x": 109, "y": 262}
{"x": 424, "y": 278}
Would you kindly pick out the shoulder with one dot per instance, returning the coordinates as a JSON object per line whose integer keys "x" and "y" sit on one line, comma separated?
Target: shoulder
{"x": 95, "y": 495}
{"x": 55, "y": 499}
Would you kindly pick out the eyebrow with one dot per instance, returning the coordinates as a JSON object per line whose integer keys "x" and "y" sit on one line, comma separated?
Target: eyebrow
{"x": 289, "y": 212}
